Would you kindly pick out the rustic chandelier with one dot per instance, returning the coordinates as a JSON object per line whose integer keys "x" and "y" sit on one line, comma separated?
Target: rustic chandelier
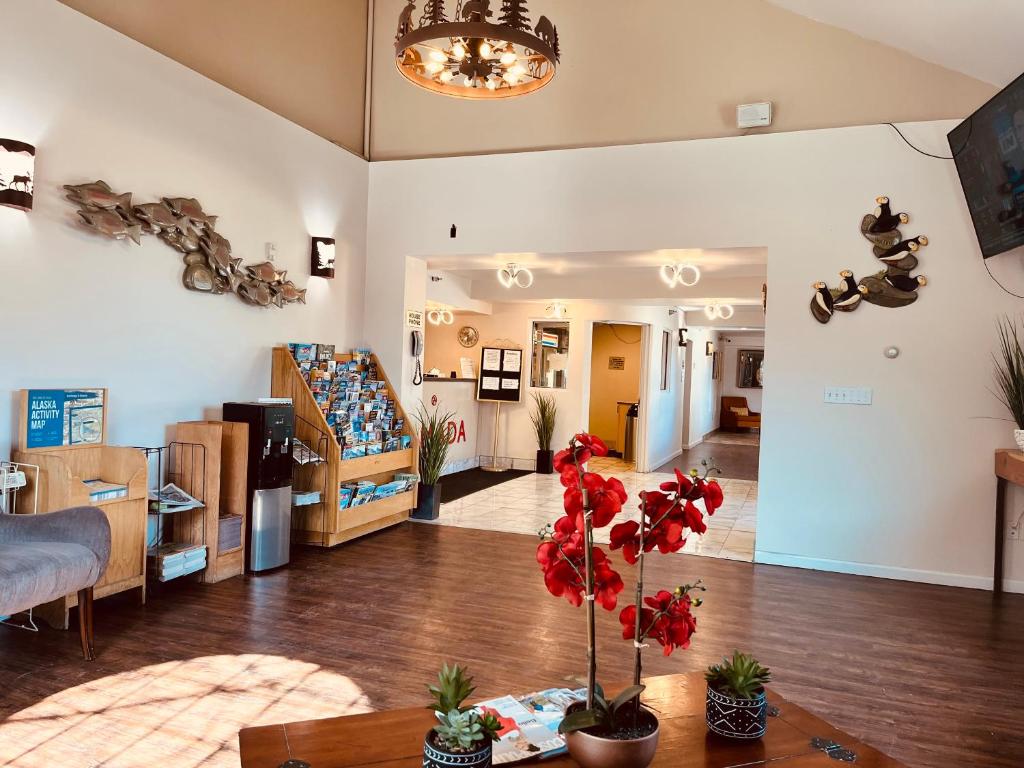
{"x": 472, "y": 57}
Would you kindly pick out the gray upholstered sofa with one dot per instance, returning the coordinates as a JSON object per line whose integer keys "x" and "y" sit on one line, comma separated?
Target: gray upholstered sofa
{"x": 43, "y": 557}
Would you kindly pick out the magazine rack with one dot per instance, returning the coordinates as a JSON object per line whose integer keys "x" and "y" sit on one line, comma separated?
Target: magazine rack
{"x": 324, "y": 524}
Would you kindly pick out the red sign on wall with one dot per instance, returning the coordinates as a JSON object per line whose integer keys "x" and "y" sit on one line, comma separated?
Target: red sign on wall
{"x": 456, "y": 433}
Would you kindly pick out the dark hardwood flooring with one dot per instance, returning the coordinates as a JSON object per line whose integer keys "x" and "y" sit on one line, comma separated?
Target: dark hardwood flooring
{"x": 931, "y": 675}
{"x": 738, "y": 462}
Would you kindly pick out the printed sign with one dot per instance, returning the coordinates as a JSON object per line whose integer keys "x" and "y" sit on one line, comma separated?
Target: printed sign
{"x": 616, "y": 363}
{"x": 414, "y": 319}
{"x": 59, "y": 417}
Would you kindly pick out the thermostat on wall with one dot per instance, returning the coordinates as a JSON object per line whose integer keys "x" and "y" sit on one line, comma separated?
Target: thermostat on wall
{"x": 754, "y": 115}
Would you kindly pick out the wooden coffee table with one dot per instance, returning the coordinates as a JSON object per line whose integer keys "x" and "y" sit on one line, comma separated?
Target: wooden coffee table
{"x": 394, "y": 739}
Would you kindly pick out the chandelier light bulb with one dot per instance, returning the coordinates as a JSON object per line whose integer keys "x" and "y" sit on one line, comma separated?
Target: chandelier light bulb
{"x": 446, "y": 76}
{"x": 510, "y": 77}
{"x": 433, "y": 67}
{"x": 508, "y": 58}
{"x": 680, "y": 274}
{"x": 438, "y": 56}
{"x": 485, "y": 50}
{"x": 470, "y": 81}
{"x": 719, "y": 311}
{"x": 459, "y": 51}
{"x": 492, "y": 84}
{"x": 513, "y": 274}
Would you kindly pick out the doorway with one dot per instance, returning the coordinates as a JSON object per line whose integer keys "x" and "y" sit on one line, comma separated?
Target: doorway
{"x": 616, "y": 365}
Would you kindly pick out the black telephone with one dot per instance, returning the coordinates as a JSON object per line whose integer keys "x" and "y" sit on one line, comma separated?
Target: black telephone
{"x": 416, "y": 345}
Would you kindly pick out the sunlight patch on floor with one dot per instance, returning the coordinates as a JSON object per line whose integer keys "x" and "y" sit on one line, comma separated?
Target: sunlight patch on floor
{"x": 179, "y": 713}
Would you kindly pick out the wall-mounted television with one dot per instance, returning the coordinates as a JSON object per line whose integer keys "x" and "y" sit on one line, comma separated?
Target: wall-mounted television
{"x": 988, "y": 148}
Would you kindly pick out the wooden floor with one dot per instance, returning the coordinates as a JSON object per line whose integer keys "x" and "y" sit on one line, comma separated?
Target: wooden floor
{"x": 736, "y": 461}
{"x": 930, "y": 675}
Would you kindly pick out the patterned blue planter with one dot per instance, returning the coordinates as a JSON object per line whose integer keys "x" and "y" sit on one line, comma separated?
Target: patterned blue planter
{"x": 435, "y": 757}
{"x": 736, "y": 718}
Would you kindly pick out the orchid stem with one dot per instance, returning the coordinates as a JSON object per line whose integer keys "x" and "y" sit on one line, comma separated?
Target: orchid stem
{"x": 588, "y": 564}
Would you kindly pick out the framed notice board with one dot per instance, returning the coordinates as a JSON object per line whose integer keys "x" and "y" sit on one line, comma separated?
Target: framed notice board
{"x": 501, "y": 375}
{"x": 62, "y": 418}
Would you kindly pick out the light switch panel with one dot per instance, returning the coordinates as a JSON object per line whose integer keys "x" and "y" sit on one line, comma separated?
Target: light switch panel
{"x": 848, "y": 395}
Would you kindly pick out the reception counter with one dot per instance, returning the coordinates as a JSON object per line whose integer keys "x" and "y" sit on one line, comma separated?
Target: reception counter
{"x": 457, "y": 396}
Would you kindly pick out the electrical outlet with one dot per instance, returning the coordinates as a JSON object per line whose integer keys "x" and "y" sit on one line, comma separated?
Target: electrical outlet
{"x": 271, "y": 251}
{"x": 848, "y": 395}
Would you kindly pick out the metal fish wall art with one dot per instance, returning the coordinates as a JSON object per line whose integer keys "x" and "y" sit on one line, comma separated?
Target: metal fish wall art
{"x": 893, "y": 286}
{"x": 182, "y": 224}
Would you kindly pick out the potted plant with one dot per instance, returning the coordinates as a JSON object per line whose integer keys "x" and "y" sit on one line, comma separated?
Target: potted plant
{"x": 434, "y": 442}
{"x": 1009, "y": 375}
{"x": 462, "y": 736}
{"x": 543, "y": 416}
{"x": 620, "y": 732}
{"x": 736, "y": 706}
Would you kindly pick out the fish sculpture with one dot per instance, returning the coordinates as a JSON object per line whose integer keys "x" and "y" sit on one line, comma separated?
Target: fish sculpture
{"x": 156, "y": 216}
{"x": 99, "y": 195}
{"x": 255, "y": 292}
{"x": 217, "y": 250}
{"x": 190, "y": 207}
{"x": 265, "y": 271}
{"x": 111, "y": 224}
{"x": 288, "y": 293}
{"x": 182, "y": 237}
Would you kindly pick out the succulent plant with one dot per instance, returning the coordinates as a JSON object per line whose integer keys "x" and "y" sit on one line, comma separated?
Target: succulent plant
{"x": 741, "y": 677}
{"x": 459, "y": 728}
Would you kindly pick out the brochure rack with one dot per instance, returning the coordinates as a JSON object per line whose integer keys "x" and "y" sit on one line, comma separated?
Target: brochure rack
{"x": 324, "y": 524}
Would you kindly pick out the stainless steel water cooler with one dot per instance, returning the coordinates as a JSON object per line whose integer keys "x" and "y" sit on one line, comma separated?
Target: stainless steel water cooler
{"x": 269, "y": 493}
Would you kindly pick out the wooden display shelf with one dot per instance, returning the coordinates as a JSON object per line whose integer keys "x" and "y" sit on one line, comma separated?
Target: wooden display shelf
{"x": 62, "y": 472}
{"x": 324, "y": 524}
{"x": 226, "y": 446}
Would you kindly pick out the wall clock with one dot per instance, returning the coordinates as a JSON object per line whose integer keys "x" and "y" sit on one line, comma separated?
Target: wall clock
{"x": 468, "y": 336}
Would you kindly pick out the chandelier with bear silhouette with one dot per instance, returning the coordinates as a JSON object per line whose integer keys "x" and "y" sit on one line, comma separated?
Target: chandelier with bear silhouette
{"x": 472, "y": 56}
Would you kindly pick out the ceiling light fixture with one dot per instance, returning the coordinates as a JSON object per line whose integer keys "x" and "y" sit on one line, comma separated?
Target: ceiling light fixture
{"x": 680, "y": 274}
{"x": 719, "y": 311}
{"x": 499, "y": 59}
{"x": 440, "y": 316}
{"x": 513, "y": 274}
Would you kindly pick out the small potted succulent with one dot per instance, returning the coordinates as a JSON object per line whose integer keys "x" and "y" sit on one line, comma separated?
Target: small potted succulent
{"x": 543, "y": 416}
{"x": 434, "y": 442}
{"x": 462, "y": 736}
{"x": 736, "y": 706}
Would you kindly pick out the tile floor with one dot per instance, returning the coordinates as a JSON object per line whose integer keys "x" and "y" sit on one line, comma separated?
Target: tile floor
{"x": 526, "y": 504}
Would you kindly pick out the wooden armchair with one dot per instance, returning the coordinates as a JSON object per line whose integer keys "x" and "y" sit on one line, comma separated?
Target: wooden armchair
{"x": 731, "y": 421}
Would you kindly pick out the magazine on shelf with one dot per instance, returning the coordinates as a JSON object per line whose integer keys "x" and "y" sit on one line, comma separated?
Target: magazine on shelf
{"x": 171, "y": 498}
{"x": 530, "y": 723}
{"x": 303, "y": 454}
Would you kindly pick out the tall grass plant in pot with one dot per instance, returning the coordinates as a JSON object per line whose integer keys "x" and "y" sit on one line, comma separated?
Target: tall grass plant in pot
{"x": 1009, "y": 374}
{"x": 543, "y": 417}
{"x": 434, "y": 442}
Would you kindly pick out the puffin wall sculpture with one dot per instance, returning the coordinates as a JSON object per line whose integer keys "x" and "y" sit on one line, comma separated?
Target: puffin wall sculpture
{"x": 181, "y": 223}
{"x": 893, "y": 286}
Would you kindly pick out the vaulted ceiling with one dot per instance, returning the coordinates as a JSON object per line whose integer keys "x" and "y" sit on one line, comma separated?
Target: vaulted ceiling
{"x": 823, "y": 63}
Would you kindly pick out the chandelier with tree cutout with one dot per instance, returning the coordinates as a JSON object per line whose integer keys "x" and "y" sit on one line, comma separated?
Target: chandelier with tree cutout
{"x": 470, "y": 56}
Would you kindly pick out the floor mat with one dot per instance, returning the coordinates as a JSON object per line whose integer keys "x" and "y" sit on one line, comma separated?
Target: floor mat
{"x": 734, "y": 438}
{"x": 460, "y": 484}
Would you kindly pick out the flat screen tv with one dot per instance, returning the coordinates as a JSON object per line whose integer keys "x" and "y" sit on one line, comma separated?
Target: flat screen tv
{"x": 988, "y": 148}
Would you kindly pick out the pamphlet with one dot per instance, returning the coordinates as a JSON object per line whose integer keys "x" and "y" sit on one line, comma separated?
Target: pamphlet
{"x": 467, "y": 368}
{"x": 171, "y": 498}
{"x": 510, "y": 383}
{"x": 530, "y": 723}
{"x": 303, "y": 454}
{"x": 491, "y": 360}
{"x": 490, "y": 382}
{"x": 512, "y": 361}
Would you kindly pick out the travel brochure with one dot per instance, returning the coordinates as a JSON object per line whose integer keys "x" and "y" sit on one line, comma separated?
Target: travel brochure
{"x": 529, "y": 724}
{"x": 363, "y": 491}
{"x": 355, "y": 401}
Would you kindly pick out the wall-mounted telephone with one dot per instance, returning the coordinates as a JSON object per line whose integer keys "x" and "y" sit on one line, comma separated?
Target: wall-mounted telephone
{"x": 416, "y": 348}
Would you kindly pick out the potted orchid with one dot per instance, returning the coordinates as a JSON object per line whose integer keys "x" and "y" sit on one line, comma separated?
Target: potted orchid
{"x": 621, "y": 732}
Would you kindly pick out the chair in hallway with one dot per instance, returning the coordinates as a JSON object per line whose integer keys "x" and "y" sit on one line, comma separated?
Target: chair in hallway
{"x": 44, "y": 557}
{"x": 736, "y": 415}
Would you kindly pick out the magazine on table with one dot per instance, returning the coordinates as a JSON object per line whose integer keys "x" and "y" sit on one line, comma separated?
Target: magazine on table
{"x": 529, "y": 724}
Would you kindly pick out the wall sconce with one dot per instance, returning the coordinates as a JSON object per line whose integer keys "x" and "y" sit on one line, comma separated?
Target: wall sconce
{"x": 439, "y": 316}
{"x": 322, "y": 257}
{"x": 17, "y": 169}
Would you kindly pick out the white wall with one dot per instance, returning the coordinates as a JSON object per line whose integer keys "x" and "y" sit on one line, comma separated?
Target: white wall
{"x": 703, "y": 388}
{"x": 730, "y": 344}
{"x": 79, "y": 309}
{"x": 902, "y": 488}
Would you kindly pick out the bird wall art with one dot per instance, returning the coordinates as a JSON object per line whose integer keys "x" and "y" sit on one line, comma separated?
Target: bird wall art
{"x": 181, "y": 223}
{"x": 893, "y": 285}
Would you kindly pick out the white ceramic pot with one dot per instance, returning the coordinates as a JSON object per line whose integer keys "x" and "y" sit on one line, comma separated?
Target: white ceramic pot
{"x": 1018, "y": 435}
